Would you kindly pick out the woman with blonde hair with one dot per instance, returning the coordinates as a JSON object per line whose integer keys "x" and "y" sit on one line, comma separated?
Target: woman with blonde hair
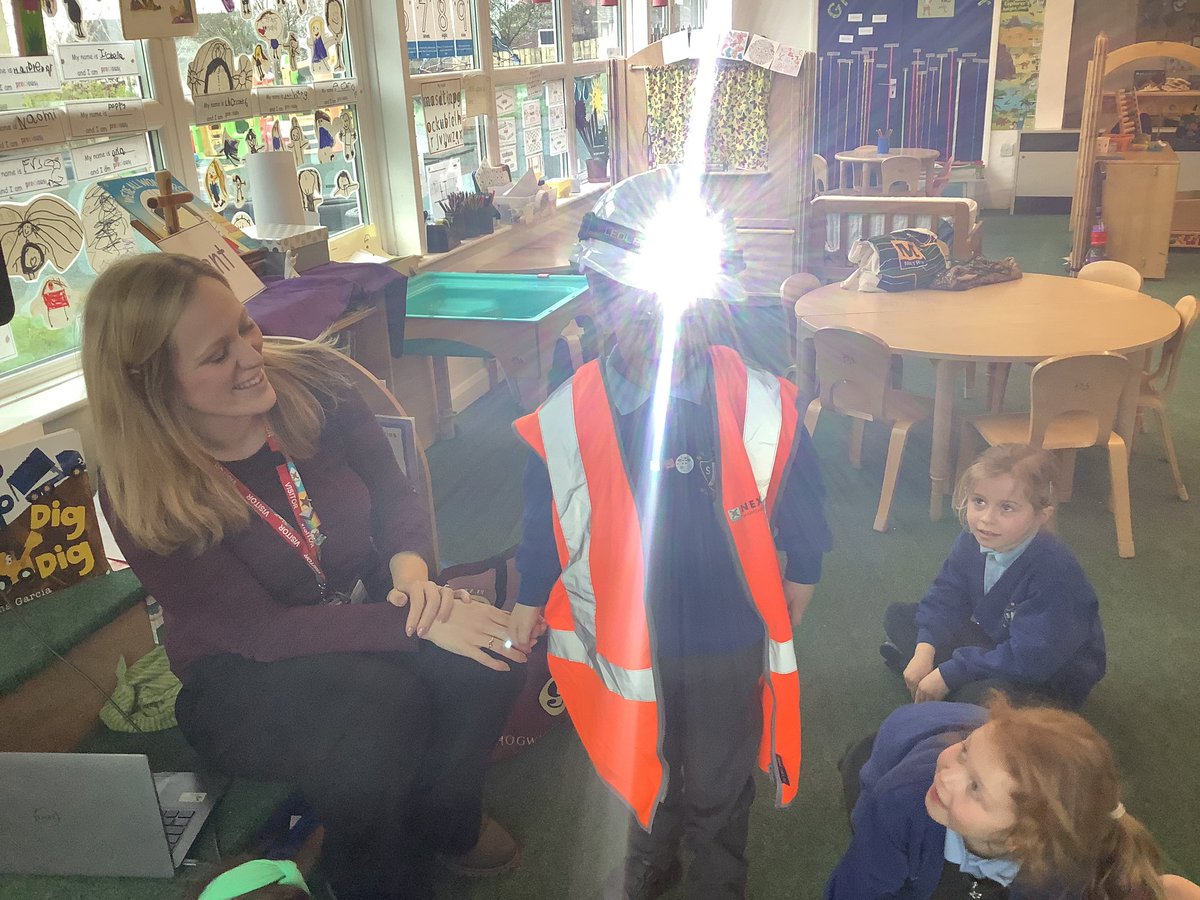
{"x": 257, "y": 499}
{"x": 960, "y": 801}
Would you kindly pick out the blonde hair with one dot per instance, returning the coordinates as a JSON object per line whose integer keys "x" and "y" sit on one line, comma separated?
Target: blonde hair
{"x": 1032, "y": 468}
{"x": 162, "y": 482}
{"x": 1072, "y": 831}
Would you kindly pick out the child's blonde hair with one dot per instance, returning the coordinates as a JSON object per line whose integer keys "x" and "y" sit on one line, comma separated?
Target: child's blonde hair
{"x": 1032, "y": 468}
{"x": 1072, "y": 831}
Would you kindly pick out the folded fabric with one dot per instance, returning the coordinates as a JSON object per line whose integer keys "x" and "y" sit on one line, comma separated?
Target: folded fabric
{"x": 144, "y": 696}
{"x": 905, "y": 260}
{"x": 976, "y": 273}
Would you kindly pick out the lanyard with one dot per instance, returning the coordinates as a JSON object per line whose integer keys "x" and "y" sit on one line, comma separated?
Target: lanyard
{"x": 308, "y": 541}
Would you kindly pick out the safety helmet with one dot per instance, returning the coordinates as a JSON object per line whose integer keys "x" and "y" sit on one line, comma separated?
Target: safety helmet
{"x": 614, "y": 237}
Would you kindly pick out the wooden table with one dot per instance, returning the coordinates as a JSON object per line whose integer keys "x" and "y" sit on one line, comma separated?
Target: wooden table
{"x": 549, "y": 258}
{"x": 1028, "y": 320}
{"x": 863, "y": 161}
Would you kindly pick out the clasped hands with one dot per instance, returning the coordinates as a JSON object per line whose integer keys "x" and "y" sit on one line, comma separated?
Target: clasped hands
{"x": 924, "y": 680}
{"x": 455, "y": 621}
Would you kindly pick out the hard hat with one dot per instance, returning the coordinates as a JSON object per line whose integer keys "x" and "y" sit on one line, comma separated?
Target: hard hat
{"x": 617, "y": 237}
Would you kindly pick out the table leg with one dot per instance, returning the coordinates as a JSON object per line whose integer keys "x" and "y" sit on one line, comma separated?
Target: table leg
{"x": 928, "y": 175}
{"x": 943, "y": 415}
{"x": 844, "y": 182}
{"x": 443, "y": 401}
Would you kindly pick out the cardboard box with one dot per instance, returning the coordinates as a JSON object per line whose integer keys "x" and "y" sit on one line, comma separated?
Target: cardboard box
{"x": 307, "y": 245}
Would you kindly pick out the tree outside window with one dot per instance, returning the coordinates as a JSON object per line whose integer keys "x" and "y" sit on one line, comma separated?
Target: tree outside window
{"x": 524, "y": 33}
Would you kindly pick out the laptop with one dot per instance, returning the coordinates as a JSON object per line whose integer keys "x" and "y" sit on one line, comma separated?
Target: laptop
{"x": 99, "y": 814}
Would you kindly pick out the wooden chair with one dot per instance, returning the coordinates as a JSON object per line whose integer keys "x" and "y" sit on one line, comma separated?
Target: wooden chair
{"x": 853, "y": 369}
{"x": 941, "y": 178}
{"x": 1158, "y": 385}
{"x": 1109, "y": 271}
{"x": 900, "y": 170}
{"x": 383, "y": 402}
{"x": 1073, "y": 403}
{"x": 820, "y": 168}
{"x": 799, "y": 349}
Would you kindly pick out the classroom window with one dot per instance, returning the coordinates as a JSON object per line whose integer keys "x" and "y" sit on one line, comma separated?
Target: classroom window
{"x": 590, "y": 124}
{"x": 446, "y": 171}
{"x": 595, "y": 30}
{"x": 533, "y": 126}
{"x": 524, "y": 33}
{"x": 88, "y": 122}
{"x": 441, "y": 36}
{"x": 301, "y": 70}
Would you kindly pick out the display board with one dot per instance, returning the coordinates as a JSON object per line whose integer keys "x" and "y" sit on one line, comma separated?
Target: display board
{"x": 919, "y": 70}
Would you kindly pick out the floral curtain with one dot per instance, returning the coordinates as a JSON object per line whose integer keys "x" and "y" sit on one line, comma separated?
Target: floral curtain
{"x": 737, "y": 131}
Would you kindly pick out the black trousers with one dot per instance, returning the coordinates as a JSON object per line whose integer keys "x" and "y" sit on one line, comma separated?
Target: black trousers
{"x": 713, "y": 720}
{"x": 389, "y": 748}
{"x": 900, "y": 624}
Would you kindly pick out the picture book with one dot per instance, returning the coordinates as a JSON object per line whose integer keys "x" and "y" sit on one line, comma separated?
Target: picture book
{"x": 134, "y": 192}
{"x": 49, "y": 531}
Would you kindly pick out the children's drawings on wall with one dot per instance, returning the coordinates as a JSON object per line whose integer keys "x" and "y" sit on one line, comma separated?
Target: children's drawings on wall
{"x": 46, "y": 230}
{"x": 270, "y": 29}
{"x": 276, "y": 136}
{"x": 733, "y": 45}
{"x": 239, "y": 190}
{"x": 299, "y": 142}
{"x": 252, "y": 140}
{"x": 533, "y": 141}
{"x": 347, "y": 133}
{"x": 215, "y": 70}
{"x": 55, "y": 310}
{"x": 309, "y": 181}
{"x": 75, "y": 14}
{"x": 508, "y": 130}
{"x": 242, "y": 220}
{"x": 325, "y": 148}
{"x": 318, "y": 52}
{"x": 261, "y": 62}
{"x": 215, "y": 186}
{"x": 335, "y": 21}
{"x": 761, "y": 51}
{"x": 344, "y": 185}
{"x": 506, "y": 101}
{"x": 107, "y": 230}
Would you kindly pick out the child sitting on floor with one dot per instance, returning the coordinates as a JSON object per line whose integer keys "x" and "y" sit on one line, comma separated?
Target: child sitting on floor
{"x": 958, "y": 801}
{"x": 1011, "y": 609}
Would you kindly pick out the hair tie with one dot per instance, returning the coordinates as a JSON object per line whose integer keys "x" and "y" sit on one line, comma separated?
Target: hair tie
{"x": 1118, "y": 811}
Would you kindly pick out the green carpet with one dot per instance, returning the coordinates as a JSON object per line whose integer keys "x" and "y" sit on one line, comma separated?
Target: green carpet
{"x": 1147, "y": 705}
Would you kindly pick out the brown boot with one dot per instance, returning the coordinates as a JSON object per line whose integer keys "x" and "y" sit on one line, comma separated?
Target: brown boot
{"x": 495, "y": 852}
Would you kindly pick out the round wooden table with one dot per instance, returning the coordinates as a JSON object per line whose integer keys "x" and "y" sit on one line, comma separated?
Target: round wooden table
{"x": 856, "y": 166}
{"x": 1028, "y": 320}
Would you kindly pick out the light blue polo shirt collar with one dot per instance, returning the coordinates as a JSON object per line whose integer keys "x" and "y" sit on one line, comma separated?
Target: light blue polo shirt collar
{"x": 626, "y": 396}
{"x": 996, "y": 564}
{"x": 1002, "y": 871}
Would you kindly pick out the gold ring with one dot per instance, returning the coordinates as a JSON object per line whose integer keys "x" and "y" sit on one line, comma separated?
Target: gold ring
{"x": 491, "y": 643}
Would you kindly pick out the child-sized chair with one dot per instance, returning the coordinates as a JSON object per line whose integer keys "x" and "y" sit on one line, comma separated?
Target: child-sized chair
{"x": 1158, "y": 385}
{"x": 1073, "y": 403}
{"x": 854, "y": 372}
{"x": 904, "y": 171}
{"x": 1109, "y": 271}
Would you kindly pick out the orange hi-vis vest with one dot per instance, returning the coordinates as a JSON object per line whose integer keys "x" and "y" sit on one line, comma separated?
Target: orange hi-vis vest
{"x": 598, "y": 638}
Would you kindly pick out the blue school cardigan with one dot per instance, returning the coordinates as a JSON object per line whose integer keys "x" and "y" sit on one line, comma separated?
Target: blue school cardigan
{"x": 1042, "y": 614}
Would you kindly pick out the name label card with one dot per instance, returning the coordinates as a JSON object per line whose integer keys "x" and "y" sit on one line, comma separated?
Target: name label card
{"x": 32, "y": 128}
{"x": 97, "y": 118}
{"x": 84, "y": 61}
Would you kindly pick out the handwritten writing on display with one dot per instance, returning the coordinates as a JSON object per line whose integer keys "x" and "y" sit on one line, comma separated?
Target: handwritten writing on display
{"x": 339, "y": 92}
{"x": 32, "y": 128}
{"x": 29, "y": 73}
{"x": 110, "y": 157}
{"x": 97, "y": 118}
{"x": 22, "y": 174}
{"x": 85, "y": 61}
{"x": 213, "y": 108}
{"x": 443, "y": 114}
{"x": 285, "y": 100}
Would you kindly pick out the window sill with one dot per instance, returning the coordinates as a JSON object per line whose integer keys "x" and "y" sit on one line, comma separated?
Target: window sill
{"x": 43, "y": 404}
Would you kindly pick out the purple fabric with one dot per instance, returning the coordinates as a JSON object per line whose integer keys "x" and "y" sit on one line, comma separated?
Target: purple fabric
{"x": 305, "y": 306}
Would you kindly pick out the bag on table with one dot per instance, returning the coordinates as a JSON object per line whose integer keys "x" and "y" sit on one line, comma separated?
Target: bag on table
{"x": 976, "y": 273}
{"x": 538, "y": 706}
{"x": 906, "y": 260}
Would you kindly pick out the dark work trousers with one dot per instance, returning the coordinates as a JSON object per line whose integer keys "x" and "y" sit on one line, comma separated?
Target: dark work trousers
{"x": 713, "y": 718}
{"x": 389, "y": 748}
{"x": 900, "y": 624}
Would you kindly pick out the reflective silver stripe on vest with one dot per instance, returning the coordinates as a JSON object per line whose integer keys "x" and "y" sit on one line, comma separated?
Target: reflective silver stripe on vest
{"x": 573, "y": 503}
{"x": 632, "y": 684}
{"x": 764, "y": 425}
{"x": 782, "y": 657}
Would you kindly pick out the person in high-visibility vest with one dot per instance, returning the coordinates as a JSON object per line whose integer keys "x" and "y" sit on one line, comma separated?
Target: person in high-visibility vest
{"x": 656, "y": 499}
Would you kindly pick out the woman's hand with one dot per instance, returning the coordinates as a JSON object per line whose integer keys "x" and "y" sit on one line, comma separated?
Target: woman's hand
{"x": 473, "y": 628}
{"x": 527, "y": 626}
{"x": 932, "y": 687}
{"x": 427, "y": 603}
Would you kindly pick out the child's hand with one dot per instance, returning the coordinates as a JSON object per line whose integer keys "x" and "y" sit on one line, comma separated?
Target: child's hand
{"x": 918, "y": 667}
{"x": 527, "y": 626}
{"x": 932, "y": 687}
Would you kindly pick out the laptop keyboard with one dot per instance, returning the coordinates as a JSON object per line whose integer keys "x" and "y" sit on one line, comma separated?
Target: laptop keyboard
{"x": 175, "y": 821}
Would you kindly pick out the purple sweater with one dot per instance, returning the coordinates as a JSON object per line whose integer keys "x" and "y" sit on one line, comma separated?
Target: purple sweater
{"x": 253, "y": 595}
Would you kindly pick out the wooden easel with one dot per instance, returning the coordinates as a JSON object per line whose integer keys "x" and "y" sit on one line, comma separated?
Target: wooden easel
{"x": 168, "y": 201}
